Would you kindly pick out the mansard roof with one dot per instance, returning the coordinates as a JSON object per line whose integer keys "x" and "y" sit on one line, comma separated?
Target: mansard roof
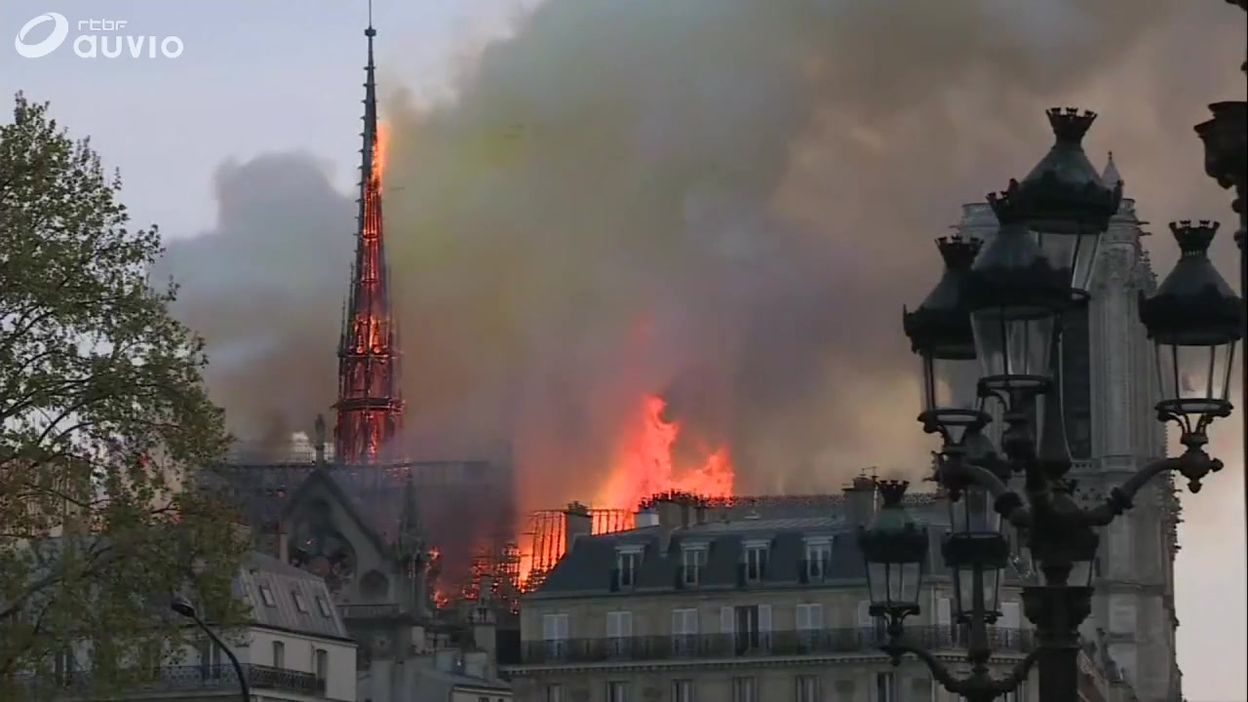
{"x": 589, "y": 569}
{"x": 297, "y": 595}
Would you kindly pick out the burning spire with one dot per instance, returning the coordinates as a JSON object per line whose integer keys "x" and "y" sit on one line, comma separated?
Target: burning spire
{"x": 370, "y": 411}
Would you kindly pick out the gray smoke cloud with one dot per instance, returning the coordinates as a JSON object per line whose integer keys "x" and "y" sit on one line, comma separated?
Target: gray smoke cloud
{"x": 722, "y": 201}
{"x": 265, "y": 289}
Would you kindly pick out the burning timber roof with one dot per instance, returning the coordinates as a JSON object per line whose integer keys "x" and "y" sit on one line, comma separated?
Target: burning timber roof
{"x": 589, "y": 568}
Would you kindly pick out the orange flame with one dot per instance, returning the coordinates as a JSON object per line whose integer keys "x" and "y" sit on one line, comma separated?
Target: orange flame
{"x": 381, "y": 149}
{"x": 643, "y": 465}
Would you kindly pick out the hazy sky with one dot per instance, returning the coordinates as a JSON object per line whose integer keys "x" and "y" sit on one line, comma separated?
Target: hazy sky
{"x": 283, "y": 80}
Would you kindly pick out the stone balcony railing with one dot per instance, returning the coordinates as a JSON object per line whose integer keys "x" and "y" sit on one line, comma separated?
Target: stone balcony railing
{"x": 183, "y": 679}
{"x": 755, "y": 644}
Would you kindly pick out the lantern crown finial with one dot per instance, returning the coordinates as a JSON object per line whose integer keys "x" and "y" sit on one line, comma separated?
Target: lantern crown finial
{"x": 958, "y": 251}
{"x": 1069, "y": 123}
{"x": 1064, "y": 193}
{"x": 1194, "y": 237}
{"x": 892, "y": 491}
{"x": 1005, "y": 205}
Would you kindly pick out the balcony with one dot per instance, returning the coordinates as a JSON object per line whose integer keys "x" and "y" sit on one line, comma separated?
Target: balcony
{"x": 755, "y": 644}
{"x": 387, "y": 610}
{"x": 187, "y": 680}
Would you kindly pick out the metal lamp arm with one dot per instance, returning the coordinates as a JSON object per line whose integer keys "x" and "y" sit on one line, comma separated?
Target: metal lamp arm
{"x": 1020, "y": 671}
{"x": 980, "y": 687}
{"x": 1193, "y": 464}
{"x": 1008, "y": 502}
{"x": 896, "y": 649}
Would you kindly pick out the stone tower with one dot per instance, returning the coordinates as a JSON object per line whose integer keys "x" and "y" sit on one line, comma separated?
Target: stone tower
{"x": 1113, "y": 431}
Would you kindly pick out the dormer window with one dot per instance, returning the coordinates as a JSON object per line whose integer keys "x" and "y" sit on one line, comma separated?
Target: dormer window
{"x": 266, "y": 594}
{"x": 300, "y": 603}
{"x": 323, "y": 605}
{"x": 627, "y": 561}
{"x": 755, "y": 560}
{"x": 818, "y": 559}
{"x": 693, "y": 561}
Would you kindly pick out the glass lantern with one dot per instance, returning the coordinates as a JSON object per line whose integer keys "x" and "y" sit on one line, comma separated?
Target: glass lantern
{"x": 976, "y": 552}
{"x": 1065, "y": 201}
{"x": 940, "y": 333}
{"x": 1016, "y": 295}
{"x": 1195, "y": 320}
{"x": 895, "y": 549}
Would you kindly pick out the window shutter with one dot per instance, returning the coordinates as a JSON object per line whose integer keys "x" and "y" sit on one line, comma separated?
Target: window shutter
{"x": 816, "y": 616}
{"x": 764, "y": 618}
{"x": 726, "y": 621}
{"x": 1010, "y": 618}
{"x": 803, "y": 617}
{"x": 944, "y": 614}
{"x": 685, "y": 621}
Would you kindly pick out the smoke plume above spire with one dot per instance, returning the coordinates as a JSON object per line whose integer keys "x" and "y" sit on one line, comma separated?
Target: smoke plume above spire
{"x": 723, "y": 202}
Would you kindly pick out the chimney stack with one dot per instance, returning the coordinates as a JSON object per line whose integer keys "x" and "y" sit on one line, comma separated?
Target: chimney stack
{"x": 577, "y": 522}
{"x": 860, "y": 500}
{"x": 673, "y": 510}
{"x": 647, "y": 517}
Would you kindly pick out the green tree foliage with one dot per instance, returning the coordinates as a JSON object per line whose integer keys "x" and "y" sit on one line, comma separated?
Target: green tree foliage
{"x": 103, "y": 414}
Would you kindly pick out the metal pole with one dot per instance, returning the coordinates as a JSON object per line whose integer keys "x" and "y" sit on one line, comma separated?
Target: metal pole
{"x": 1241, "y": 236}
{"x": 1057, "y": 611}
{"x": 238, "y": 667}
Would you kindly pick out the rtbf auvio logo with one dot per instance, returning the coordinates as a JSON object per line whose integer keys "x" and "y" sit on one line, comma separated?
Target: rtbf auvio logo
{"x": 60, "y": 30}
{"x": 98, "y": 38}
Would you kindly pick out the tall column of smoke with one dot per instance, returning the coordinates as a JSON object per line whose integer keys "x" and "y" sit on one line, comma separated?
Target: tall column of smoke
{"x": 726, "y": 202}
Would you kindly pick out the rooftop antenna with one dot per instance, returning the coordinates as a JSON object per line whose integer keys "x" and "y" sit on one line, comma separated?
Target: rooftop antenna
{"x": 370, "y": 14}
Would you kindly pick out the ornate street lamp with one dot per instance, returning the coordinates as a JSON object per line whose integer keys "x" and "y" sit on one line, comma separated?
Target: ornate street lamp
{"x": 940, "y": 333}
{"x": 1064, "y": 201}
{"x": 1037, "y": 264}
{"x": 895, "y": 548}
{"x": 1193, "y": 309}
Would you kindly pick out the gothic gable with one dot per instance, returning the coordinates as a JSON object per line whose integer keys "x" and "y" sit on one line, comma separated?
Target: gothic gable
{"x": 325, "y": 535}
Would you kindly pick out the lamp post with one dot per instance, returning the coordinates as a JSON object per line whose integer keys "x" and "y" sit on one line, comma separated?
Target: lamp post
{"x": 1225, "y": 139}
{"x": 1013, "y": 296}
{"x": 895, "y": 549}
{"x": 183, "y": 606}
